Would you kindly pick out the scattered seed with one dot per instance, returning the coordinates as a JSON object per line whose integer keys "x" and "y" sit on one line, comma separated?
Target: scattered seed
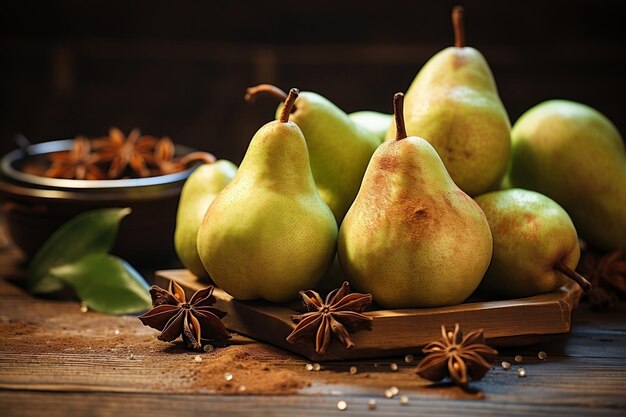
{"x": 404, "y": 400}
{"x": 408, "y": 358}
{"x": 228, "y": 376}
{"x": 198, "y": 358}
{"x": 208, "y": 348}
{"x": 83, "y": 307}
{"x": 132, "y": 357}
{"x": 388, "y": 393}
{"x": 242, "y": 388}
{"x": 394, "y": 391}
{"x": 342, "y": 405}
{"x": 542, "y": 355}
{"x": 309, "y": 367}
{"x": 116, "y": 331}
{"x": 371, "y": 404}
{"x": 353, "y": 370}
{"x": 506, "y": 365}
{"x": 317, "y": 367}
{"x": 518, "y": 358}
{"x": 393, "y": 366}
{"x": 521, "y": 372}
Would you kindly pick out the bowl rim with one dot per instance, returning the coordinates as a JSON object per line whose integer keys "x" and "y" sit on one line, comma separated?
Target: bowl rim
{"x": 7, "y": 161}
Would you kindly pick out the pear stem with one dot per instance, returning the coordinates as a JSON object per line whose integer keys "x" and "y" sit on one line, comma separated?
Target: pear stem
{"x": 575, "y": 276}
{"x": 291, "y": 98}
{"x": 398, "y": 112}
{"x": 459, "y": 26}
{"x": 252, "y": 92}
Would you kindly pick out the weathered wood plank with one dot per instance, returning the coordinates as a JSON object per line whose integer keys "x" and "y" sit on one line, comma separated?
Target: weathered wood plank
{"x": 27, "y": 404}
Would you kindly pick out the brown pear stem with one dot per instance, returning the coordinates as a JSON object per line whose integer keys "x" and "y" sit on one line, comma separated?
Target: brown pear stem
{"x": 291, "y": 98}
{"x": 252, "y": 92}
{"x": 459, "y": 27}
{"x": 398, "y": 112}
{"x": 575, "y": 276}
{"x": 204, "y": 157}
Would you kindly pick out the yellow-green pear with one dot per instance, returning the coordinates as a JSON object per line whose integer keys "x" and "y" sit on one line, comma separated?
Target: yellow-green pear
{"x": 535, "y": 245}
{"x": 197, "y": 194}
{"x": 454, "y": 104}
{"x": 576, "y": 156}
{"x": 268, "y": 234}
{"x": 339, "y": 148}
{"x": 375, "y": 122}
{"x": 412, "y": 238}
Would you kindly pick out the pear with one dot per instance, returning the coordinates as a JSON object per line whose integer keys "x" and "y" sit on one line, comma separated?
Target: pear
{"x": 412, "y": 238}
{"x": 375, "y": 122}
{"x": 574, "y": 155}
{"x": 339, "y": 149}
{"x": 535, "y": 245}
{"x": 453, "y": 103}
{"x": 197, "y": 194}
{"x": 268, "y": 234}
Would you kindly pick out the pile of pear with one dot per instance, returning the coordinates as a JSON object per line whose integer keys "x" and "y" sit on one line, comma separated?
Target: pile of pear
{"x": 422, "y": 207}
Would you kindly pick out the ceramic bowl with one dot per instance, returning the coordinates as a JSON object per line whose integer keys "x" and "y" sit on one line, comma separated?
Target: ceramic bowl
{"x": 34, "y": 206}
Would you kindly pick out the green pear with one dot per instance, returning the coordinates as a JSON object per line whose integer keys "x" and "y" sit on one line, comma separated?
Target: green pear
{"x": 198, "y": 192}
{"x": 375, "y": 122}
{"x": 412, "y": 238}
{"x": 535, "y": 245}
{"x": 574, "y": 155}
{"x": 339, "y": 149}
{"x": 453, "y": 103}
{"x": 268, "y": 234}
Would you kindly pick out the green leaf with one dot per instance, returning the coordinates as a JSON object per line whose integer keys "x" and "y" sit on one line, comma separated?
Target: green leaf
{"x": 106, "y": 283}
{"x": 90, "y": 232}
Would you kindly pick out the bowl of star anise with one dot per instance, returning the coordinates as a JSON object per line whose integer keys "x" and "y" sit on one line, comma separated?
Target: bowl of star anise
{"x": 46, "y": 184}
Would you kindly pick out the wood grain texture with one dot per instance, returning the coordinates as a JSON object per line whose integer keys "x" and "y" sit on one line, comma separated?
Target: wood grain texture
{"x": 398, "y": 332}
{"x": 57, "y": 361}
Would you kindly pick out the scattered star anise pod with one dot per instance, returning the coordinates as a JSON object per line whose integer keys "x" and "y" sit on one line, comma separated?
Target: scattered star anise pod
{"x": 339, "y": 315}
{"x": 78, "y": 163}
{"x": 168, "y": 163}
{"x": 457, "y": 357}
{"x": 195, "y": 320}
{"x": 134, "y": 151}
{"x": 607, "y": 274}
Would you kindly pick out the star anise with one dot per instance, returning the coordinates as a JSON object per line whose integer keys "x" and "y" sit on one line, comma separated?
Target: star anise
{"x": 195, "y": 320}
{"x": 607, "y": 274}
{"x": 134, "y": 151}
{"x": 168, "y": 163}
{"x": 78, "y": 163}
{"x": 457, "y": 357}
{"x": 339, "y": 315}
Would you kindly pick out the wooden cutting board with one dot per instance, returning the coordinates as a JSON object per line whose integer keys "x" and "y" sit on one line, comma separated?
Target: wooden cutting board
{"x": 514, "y": 322}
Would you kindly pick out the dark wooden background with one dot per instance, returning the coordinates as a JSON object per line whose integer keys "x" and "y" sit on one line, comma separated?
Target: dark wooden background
{"x": 180, "y": 68}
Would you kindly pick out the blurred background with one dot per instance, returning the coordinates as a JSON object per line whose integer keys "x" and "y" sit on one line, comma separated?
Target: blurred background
{"x": 180, "y": 68}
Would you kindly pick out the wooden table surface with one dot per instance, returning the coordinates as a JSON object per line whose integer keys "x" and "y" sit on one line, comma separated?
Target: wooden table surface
{"x": 57, "y": 361}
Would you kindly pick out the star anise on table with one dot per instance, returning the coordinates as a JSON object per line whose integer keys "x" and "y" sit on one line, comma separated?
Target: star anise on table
{"x": 134, "y": 152}
{"x": 607, "y": 274}
{"x": 195, "y": 320}
{"x": 78, "y": 163}
{"x": 167, "y": 162}
{"x": 339, "y": 315}
{"x": 457, "y": 357}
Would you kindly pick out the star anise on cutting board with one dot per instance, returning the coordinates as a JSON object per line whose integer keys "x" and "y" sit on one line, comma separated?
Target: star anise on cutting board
{"x": 78, "y": 163}
{"x": 607, "y": 274}
{"x": 340, "y": 315}
{"x": 195, "y": 320}
{"x": 457, "y": 357}
{"x": 134, "y": 152}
